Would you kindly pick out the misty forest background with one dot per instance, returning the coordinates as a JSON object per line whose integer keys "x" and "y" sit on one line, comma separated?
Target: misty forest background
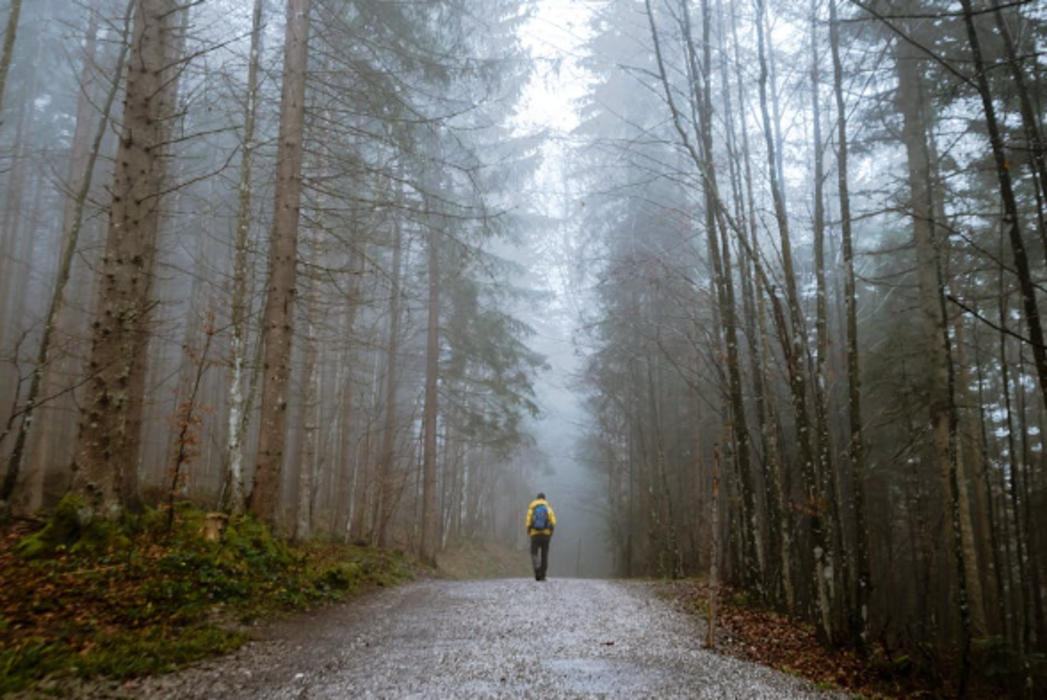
{"x": 345, "y": 264}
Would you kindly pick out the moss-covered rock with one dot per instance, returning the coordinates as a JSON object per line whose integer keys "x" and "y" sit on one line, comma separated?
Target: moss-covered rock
{"x": 64, "y": 529}
{"x": 73, "y": 528}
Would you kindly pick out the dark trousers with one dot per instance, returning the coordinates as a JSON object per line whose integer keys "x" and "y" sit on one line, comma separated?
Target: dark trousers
{"x": 540, "y": 546}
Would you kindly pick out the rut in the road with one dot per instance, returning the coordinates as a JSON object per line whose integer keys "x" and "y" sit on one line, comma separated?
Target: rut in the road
{"x": 510, "y": 638}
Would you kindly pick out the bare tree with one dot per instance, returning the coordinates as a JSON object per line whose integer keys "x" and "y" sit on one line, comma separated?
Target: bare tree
{"x": 822, "y": 573}
{"x": 856, "y": 445}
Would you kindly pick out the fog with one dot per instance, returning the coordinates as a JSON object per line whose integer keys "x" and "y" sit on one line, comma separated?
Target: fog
{"x": 753, "y": 284}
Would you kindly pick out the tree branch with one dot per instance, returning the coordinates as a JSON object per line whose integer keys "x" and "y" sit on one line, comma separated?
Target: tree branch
{"x": 988, "y": 322}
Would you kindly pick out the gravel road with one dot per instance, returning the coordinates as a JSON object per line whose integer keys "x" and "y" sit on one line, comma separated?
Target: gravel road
{"x": 562, "y": 638}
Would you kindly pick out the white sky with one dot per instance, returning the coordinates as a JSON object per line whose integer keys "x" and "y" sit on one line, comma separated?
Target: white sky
{"x": 555, "y": 37}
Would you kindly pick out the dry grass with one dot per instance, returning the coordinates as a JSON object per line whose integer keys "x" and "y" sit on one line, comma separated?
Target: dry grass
{"x": 483, "y": 560}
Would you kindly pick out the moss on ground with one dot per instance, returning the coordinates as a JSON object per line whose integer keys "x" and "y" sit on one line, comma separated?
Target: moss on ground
{"x": 62, "y": 531}
{"x": 133, "y": 597}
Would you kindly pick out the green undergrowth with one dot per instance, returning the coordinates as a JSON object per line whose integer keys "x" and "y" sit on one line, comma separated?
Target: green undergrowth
{"x": 134, "y": 597}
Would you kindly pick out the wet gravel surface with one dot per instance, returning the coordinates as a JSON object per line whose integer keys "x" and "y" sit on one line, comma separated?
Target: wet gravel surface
{"x": 516, "y": 638}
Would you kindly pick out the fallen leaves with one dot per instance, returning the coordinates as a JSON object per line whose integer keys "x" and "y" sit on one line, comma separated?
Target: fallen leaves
{"x": 771, "y": 639}
{"x": 152, "y": 598}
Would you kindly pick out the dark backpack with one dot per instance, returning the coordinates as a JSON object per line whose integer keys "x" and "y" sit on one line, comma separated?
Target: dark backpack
{"x": 540, "y": 518}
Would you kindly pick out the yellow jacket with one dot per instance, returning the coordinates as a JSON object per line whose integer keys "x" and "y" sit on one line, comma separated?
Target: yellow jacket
{"x": 530, "y": 514}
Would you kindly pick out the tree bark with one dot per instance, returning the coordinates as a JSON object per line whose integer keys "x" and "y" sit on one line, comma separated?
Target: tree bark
{"x": 778, "y": 512}
{"x": 1024, "y": 481}
{"x": 107, "y": 446}
{"x": 349, "y": 501}
{"x": 1023, "y": 592}
{"x": 714, "y": 558}
{"x": 669, "y": 530}
{"x": 307, "y": 454}
{"x": 430, "y": 522}
{"x": 830, "y": 483}
{"x": 942, "y": 410}
{"x": 387, "y": 454}
{"x": 10, "y": 35}
{"x": 233, "y": 495}
{"x": 985, "y": 484}
{"x": 283, "y": 268}
{"x": 822, "y": 566}
{"x": 752, "y": 556}
{"x": 12, "y": 237}
{"x": 856, "y": 448}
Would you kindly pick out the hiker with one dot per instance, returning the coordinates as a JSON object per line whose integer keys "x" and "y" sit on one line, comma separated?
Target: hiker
{"x": 540, "y": 524}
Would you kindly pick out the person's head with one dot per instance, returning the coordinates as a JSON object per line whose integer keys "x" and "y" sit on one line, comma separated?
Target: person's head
{"x": 541, "y": 496}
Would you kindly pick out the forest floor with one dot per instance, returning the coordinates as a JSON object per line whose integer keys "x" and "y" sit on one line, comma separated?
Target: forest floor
{"x": 752, "y": 633}
{"x": 78, "y": 617}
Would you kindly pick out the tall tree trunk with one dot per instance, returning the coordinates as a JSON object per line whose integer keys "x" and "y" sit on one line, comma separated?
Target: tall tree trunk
{"x": 12, "y": 267}
{"x": 957, "y": 391}
{"x": 721, "y": 263}
{"x": 986, "y": 486}
{"x": 1024, "y": 481}
{"x": 283, "y": 267}
{"x": 795, "y": 354}
{"x": 10, "y": 35}
{"x": 830, "y": 484}
{"x": 714, "y": 558}
{"x": 233, "y": 493}
{"x": 856, "y": 448}
{"x": 307, "y": 455}
{"x": 972, "y": 463}
{"x": 759, "y": 343}
{"x": 349, "y": 501}
{"x": 1023, "y": 592}
{"x": 107, "y": 446}
{"x": 671, "y": 543}
{"x": 178, "y": 30}
{"x": 943, "y": 415}
{"x": 430, "y": 536}
{"x": 387, "y": 454}
{"x": 925, "y": 555}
